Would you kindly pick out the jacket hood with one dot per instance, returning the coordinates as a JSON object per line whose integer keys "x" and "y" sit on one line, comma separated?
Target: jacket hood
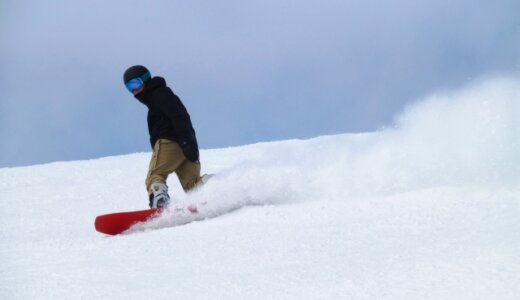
{"x": 149, "y": 87}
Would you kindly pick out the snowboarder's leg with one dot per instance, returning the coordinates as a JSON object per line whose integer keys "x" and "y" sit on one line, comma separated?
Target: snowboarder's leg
{"x": 189, "y": 174}
{"x": 167, "y": 156}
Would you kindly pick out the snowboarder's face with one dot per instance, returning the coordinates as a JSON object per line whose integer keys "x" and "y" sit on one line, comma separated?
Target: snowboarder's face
{"x": 135, "y": 85}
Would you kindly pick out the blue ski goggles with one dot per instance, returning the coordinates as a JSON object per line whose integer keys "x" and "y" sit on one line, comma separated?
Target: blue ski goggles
{"x": 135, "y": 85}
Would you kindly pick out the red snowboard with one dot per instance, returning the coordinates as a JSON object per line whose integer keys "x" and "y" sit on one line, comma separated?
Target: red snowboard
{"x": 117, "y": 223}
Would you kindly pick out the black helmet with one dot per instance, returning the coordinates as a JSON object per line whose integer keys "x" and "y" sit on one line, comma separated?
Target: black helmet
{"x": 137, "y": 71}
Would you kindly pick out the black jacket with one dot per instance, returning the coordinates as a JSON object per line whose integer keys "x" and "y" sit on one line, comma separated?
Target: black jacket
{"x": 168, "y": 118}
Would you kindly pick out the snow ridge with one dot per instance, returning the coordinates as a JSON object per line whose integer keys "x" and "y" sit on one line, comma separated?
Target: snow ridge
{"x": 425, "y": 209}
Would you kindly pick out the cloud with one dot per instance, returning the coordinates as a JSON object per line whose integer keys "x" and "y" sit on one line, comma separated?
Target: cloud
{"x": 247, "y": 71}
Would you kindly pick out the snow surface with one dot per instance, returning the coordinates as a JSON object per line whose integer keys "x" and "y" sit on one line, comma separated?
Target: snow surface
{"x": 426, "y": 209}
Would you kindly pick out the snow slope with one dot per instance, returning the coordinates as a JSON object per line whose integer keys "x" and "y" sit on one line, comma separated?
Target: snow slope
{"x": 426, "y": 209}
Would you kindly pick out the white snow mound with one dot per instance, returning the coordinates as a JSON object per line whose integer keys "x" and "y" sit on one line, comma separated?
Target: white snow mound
{"x": 426, "y": 209}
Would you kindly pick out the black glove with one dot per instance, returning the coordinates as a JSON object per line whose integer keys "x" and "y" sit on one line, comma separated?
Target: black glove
{"x": 190, "y": 150}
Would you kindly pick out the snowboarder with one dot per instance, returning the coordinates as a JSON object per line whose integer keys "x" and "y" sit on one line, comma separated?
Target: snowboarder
{"x": 172, "y": 136}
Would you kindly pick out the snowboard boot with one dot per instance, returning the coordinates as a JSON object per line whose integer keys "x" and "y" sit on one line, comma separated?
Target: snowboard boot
{"x": 203, "y": 179}
{"x": 159, "y": 197}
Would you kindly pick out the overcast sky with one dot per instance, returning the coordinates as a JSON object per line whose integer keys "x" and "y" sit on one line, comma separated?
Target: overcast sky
{"x": 248, "y": 71}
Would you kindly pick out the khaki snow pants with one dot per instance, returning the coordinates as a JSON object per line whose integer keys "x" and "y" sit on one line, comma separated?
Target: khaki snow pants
{"x": 167, "y": 157}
